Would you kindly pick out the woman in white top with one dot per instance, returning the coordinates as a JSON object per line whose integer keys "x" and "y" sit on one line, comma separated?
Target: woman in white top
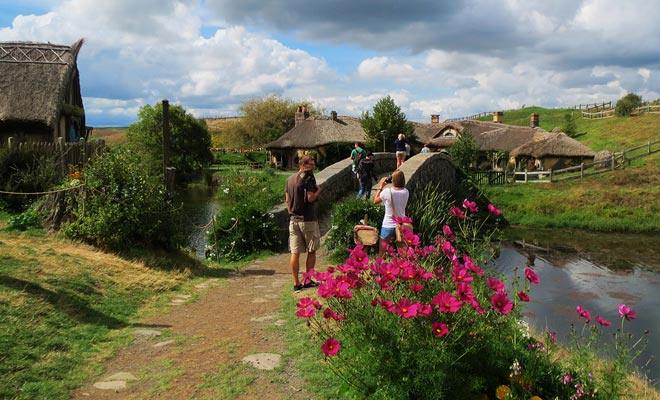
{"x": 385, "y": 195}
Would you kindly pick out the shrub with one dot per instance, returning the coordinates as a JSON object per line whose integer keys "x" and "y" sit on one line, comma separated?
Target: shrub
{"x": 24, "y": 171}
{"x": 24, "y": 221}
{"x": 429, "y": 322}
{"x": 627, "y": 104}
{"x": 120, "y": 206}
{"x": 345, "y": 216}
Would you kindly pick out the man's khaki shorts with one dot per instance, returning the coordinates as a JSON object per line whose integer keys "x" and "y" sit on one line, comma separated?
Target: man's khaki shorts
{"x": 304, "y": 237}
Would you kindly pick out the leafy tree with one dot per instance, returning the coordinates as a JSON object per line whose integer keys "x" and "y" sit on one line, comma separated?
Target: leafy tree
{"x": 190, "y": 142}
{"x": 389, "y": 117}
{"x": 626, "y": 105}
{"x": 263, "y": 120}
{"x": 464, "y": 151}
{"x": 570, "y": 125}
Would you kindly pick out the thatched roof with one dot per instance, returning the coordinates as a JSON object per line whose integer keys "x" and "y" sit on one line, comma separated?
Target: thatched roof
{"x": 34, "y": 78}
{"x": 320, "y": 130}
{"x": 489, "y": 136}
{"x": 555, "y": 144}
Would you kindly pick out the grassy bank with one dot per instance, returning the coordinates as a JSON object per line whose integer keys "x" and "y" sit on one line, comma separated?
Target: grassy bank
{"x": 626, "y": 200}
{"x": 65, "y": 306}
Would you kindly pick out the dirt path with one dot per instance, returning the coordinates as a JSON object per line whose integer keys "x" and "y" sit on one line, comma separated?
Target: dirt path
{"x": 194, "y": 350}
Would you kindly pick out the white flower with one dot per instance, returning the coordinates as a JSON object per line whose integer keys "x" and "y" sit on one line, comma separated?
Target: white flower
{"x": 226, "y": 190}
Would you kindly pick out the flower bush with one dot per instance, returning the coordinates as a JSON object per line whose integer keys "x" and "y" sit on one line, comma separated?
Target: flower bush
{"x": 431, "y": 322}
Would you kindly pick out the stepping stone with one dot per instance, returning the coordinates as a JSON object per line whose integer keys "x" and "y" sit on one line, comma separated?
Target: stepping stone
{"x": 280, "y": 322}
{"x": 260, "y": 300}
{"x": 184, "y": 296}
{"x": 147, "y": 332}
{"x": 262, "y": 319}
{"x": 112, "y": 385}
{"x": 267, "y": 361}
{"x": 272, "y": 296}
{"x": 165, "y": 343}
{"x": 121, "y": 376}
{"x": 178, "y": 301}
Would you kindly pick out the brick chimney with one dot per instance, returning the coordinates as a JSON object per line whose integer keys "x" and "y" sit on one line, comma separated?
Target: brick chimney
{"x": 497, "y": 116}
{"x": 534, "y": 120}
{"x": 301, "y": 115}
{"x": 435, "y": 118}
{"x": 333, "y": 114}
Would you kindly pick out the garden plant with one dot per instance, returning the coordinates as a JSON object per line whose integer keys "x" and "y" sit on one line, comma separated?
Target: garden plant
{"x": 432, "y": 322}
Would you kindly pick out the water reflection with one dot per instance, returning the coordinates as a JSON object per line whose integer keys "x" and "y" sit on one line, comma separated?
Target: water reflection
{"x": 199, "y": 207}
{"x": 568, "y": 280}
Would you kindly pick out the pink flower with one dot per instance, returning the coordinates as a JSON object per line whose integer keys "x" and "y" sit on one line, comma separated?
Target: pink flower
{"x": 494, "y": 210}
{"x": 495, "y": 284}
{"x": 329, "y": 313}
{"x": 307, "y": 312}
{"x": 439, "y": 329}
{"x": 531, "y": 276}
{"x": 425, "y": 310}
{"x": 461, "y": 274}
{"x": 464, "y": 292}
{"x": 501, "y": 303}
{"x": 603, "y": 322}
{"x": 305, "y": 302}
{"x": 330, "y": 347}
{"x": 626, "y": 312}
{"x": 457, "y": 212}
{"x": 523, "y": 296}
{"x": 406, "y": 308}
{"x": 447, "y": 231}
{"x": 446, "y": 302}
{"x": 417, "y": 287}
{"x": 583, "y": 313}
{"x": 470, "y": 205}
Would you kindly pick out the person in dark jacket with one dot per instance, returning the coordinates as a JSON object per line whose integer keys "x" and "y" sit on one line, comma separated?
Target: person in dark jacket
{"x": 365, "y": 173}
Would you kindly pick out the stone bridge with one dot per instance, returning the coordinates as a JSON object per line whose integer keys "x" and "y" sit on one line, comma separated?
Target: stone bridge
{"x": 337, "y": 180}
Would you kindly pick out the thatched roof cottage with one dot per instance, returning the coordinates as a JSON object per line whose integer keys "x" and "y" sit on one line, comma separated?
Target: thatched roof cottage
{"x": 331, "y": 137}
{"x": 40, "y": 97}
{"x": 554, "y": 151}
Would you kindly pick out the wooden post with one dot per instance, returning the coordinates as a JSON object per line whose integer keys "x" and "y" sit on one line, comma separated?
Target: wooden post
{"x": 166, "y": 140}
{"x": 10, "y": 142}
{"x": 581, "y": 170}
{"x": 60, "y": 147}
{"x": 525, "y": 175}
{"x": 550, "y": 174}
{"x": 649, "y": 147}
{"x": 612, "y": 163}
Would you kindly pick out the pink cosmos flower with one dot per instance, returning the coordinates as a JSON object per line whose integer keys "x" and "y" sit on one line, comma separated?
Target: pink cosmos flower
{"x": 306, "y": 312}
{"x": 523, "y": 296}
{"x": 531, "y": 276}
{"x": 447, "y": 231}
{"x": 439, "y": 329}
{"x": 307, "y": 276}
{"x": 448, "y": 249}
{"x": 461, "y": 274}
{"x": 406, "y": 308}
{"x": 501, "y": 303}
{"x": 470, "y": 205}
{"x": 457, "y": 212}
{"x": 494, "y": 210}
{"x": 305, "y": 302}
{"x": 583, "y": 313}
{"x": 330, "y": 347}
{"x": 425, "y": 310}
{"x": 626, "y": 312}
{"x": 446, "y": 302}
{"x": 603, "y": 322}
{"x": 495, "y": 284}
{"x": 416, "y": 287}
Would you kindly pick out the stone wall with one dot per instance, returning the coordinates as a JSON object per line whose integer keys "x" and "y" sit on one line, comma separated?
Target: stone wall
{"x": 337, "y": 180}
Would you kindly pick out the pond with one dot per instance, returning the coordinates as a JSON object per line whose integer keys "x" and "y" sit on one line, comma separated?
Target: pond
{"x": 595, "y": 270}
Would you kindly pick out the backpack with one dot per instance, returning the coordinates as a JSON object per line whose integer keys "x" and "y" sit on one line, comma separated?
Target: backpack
{"x": 359, "y": 155}
{"x": 365, "y": 167}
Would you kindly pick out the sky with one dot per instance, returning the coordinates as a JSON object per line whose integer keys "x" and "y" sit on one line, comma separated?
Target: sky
{"x": 453, "y": 58}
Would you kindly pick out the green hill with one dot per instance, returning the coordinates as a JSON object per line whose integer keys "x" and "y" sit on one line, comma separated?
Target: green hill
{"x": 625, "y": 200}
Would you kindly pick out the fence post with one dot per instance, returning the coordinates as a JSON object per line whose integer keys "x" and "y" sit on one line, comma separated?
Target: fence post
{"x": 649, "y": 147}
{"x": 10, "y": 142}
{"x": 612, "y": 163}
{"x": 83, "y": 151}
{"x": 166, "y": 140}
{"x": 550, "y": 175}
{"x": 525, "y": 175}
{"x": 581, "y": 170}
{"x": 60, "y": 147}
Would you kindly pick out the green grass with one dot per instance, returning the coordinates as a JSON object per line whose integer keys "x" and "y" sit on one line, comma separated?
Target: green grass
{"x": 626, "y": 200}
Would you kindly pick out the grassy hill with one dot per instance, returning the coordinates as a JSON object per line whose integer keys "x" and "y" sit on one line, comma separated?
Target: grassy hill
{"x": 626, "y": 200}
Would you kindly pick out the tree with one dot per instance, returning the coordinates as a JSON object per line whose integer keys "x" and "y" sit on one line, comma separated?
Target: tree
{"x": 263, "y": 120}
{"x": 464, "y": 151}
{"x": 626, "y": 105}
{"x": 570, "y": 125}
{"x": 387, "y": 116}
{"x": 190, "y": 142}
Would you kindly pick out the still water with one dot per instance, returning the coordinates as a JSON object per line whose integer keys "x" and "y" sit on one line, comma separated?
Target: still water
{"x": 594, "y": 270}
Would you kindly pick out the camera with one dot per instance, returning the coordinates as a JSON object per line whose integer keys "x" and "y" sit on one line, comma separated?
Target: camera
{"x": 388, "y": 179}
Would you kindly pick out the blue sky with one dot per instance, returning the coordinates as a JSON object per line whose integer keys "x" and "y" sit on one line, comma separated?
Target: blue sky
{"x": 452, "y": 58}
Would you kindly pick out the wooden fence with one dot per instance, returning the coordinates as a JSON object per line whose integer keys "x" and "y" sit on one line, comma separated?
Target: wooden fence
{"x": 583, "y": 170}
{"x": 593, "y": 106}
{"x": 609, "y": 113}
{"x": 67, "y": 153}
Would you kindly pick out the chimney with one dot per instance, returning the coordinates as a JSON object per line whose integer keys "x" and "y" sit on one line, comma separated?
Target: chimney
{"x": 497, "y": 116}
{"x": 435, "y": 118}
{"x": 333, "y": 114}
{"x": 534, "y": 120}
{"x": 301, "y": 115}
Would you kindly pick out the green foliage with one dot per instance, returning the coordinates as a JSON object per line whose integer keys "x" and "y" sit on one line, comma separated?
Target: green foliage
{"x": 464, "y": 152}
{"x": 263, "y": 120}
{"x": 430, "y": 211}
{"x": 190, "y": 142}
{"x": 345, "y": 216}
{"x": 120, "y": 206}
{"x": 245, "y": 225}
{"x": 570, "y": 125}
{"x": 25, "y": 220}
{"x": 23, "y": 171}
{"x": 389, "y": 117}
{"x": 627, "y": 104}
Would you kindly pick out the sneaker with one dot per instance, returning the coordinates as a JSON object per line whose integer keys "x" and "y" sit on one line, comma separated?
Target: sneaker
{"x": 297, "y": 288}
{"x": 310, "y": 284}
